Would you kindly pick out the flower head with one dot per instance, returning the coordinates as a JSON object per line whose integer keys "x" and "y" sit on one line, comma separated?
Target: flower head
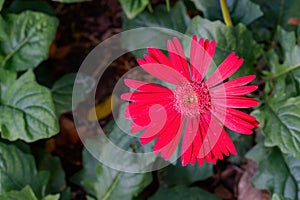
{"x": 196, "y": 109}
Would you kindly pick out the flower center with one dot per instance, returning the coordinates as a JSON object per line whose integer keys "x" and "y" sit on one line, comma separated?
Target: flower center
{"x": 192, "y": 99}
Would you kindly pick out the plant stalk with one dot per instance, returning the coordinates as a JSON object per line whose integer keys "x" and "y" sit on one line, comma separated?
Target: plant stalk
{"x": 225, "y": 12}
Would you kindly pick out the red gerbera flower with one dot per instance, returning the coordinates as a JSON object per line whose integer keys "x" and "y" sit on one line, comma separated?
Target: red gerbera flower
{"x": 196, "y": 109}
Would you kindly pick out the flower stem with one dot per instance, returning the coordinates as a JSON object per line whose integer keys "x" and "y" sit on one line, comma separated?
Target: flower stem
{"x": 168, "y": 5}
{"x": 225, "y": 13}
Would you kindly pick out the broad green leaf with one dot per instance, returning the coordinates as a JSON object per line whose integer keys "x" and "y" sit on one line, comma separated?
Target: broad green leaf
{"x": 25, "y": 194}
{"x": 178, "y": 175}
{"x": 3, "y": 34}
{"x": 47, "y": 162}
{"x": 27, "y": 111}
{"x": 277, "y": 12}
{"x": 1, "y": 4}
{"x": 71, "y": 1}
{"x": 281, "y": 121}
{"x": 176, "y": 19}
{"x": 277, "y": 172}
{"x": 133, "y": 7}
{"x": 108, "y": 184}
{"x": 229, "y": 39}
{"x": 291, "y": 52}
{"x": 241, "y": 11}
{"x": 7, "y": 78}
{"x": 18, "y": 6}
{"x": 62, "y": 91}
{"x": 182, "y": 192}
{"x": 276, "y": 196}
{"x": 17, "y": 169}
{"x": 29, "y": 37}
{"x": 52, "y": 197}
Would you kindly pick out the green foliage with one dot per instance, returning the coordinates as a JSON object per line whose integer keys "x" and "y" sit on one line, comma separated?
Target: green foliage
{"x": 1, "y": 4}
{"x": 26, "y": 109}
{"x": 3, "y": 35}
{"x": 62, "y": 91}
{"x": 108, "y": 184}
{"x": 133, "y": 7}
{"x": 175, "y": 19}
{"x": 241, "y": 11}
{"x": 279, "y": 197}
{"x": 290, "y": 68}
{"x": 281, "y": 124}
{"x": 47, "y": 162}
{"x": 182, "y": 192}
{"x": 18, "y": 6}
{"x": 17, "y": 169}
{"x": 277, "y": 12}
{"x": 227, "y": 41}
{"x": 71, "y": 1}
{"x": 277, "y": 172}
{"x": 178, "y": 175}
{"x": 29, "y": 37}
{"x": 25, "y": 194}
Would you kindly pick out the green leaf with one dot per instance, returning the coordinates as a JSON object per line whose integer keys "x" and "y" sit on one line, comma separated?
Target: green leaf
{"x": 7, "y": 78}
{"x": 133, "y": 7}
{"x": 62, "y": 91}
{"x": 278, "y": 197}
{"x": 71, "y": 1}
{"x": 52, "y": 197}
{"x": 108, "y": 184}
{"x": 17, "y": 169}
{"x": 18, "y": 6}
{"x": 47, "y": 162}
{"x": 1, "y": 4}
{"x": 291, "y": 52}
{"x": 182, "y": 192}
{"x": 3, "y": 35}
{"x": 29, "y": 37}
{"x": 25, "y": 194}
{"x": 277, "y": 172}
{"x": 277, "y": 12}
{"x": 281, "y": 121}
{"x": 228, "y": 38}
{"x": 241, "y": 11}
{"x": 178, "y": 175}
{"x": 176, "y": 19}
{"x": 27, "y": 111}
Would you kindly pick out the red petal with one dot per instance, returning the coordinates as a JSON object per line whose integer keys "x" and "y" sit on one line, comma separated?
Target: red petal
{"x": 235, "y": 102}
{"x": 178, "y": 58}
{"x": 191, "y": 141}
{"x": 201, "y": 54}
{"x": 237, "y": 82}
{"x": 168, "y": 150}
{"x": 151, "y": 97}
{"x": 232, "y": 122}
{"x": 159, "y": 56}
{"x": 146, "y": 87}
{"x": 160, "y": 71}
{"x": 226, "y": 69}
{"x": 159, "y": 119}
{"x": 234, "y": 91}
{"x": 168, "y": 134}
